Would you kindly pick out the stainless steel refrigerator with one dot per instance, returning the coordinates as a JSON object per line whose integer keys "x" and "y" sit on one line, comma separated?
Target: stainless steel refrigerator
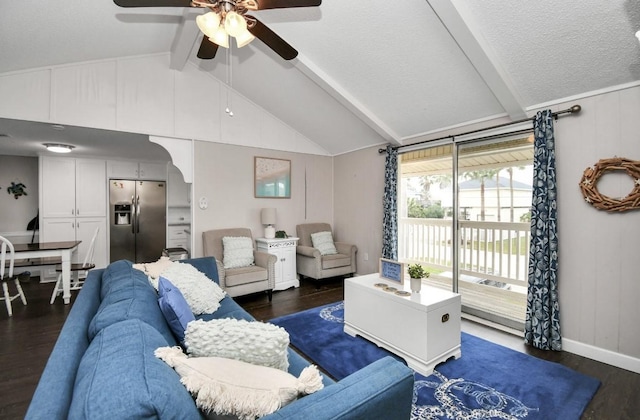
{"x": 137, "y": 219}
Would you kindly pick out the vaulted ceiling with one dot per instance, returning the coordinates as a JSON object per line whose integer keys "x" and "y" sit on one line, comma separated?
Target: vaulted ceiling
{"x": 368, "y": 71}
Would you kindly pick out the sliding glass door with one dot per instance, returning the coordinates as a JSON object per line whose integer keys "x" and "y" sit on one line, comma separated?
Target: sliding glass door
{"x": 483, "y": 189}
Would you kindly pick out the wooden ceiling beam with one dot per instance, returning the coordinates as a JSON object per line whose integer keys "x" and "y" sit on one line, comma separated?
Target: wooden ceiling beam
{"x": 186, "y": 36}
{"x": 480, "y": 55}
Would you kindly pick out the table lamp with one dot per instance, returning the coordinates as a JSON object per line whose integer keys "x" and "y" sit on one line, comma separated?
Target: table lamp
{"x": 268, "y": 217}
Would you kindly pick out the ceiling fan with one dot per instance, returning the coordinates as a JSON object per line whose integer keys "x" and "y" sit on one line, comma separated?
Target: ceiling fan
{"x": 229, "y": 18}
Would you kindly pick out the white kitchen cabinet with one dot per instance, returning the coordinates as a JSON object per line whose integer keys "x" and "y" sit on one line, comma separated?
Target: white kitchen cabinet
{"x": 178, "y": 191}
{"x": 55, "y": 229}
{"x": 72, "y": 187}
{"x": 117, "y": 169}
{"x": 178, "y": 237}
{"x": 285, "y": 268}
{"x": 73, "y": 203}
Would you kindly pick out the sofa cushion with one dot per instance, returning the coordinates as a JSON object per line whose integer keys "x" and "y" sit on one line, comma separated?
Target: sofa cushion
{"x": 128, "y": 295}
{"x": 334, "y": 261}
{"x": 174, "y": 307}
{"x": 254, "y": 342}
{"x": 229, "y": 308}
{"x": 231, "y": 387}
{"x": 323, "y": 242}
{"x": 245, "y": 275}
{"x": 119, "y": 377}
{"x": 117, "y": 278}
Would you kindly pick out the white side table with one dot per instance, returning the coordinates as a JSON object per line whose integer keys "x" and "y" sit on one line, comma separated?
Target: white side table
{"x": 285, "y": 251}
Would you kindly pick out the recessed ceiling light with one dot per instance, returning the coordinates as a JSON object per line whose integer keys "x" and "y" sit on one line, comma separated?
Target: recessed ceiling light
{"x": 638, "y": 35}
{"x": 57, "y": 127}
{"x": 58, "y": 148}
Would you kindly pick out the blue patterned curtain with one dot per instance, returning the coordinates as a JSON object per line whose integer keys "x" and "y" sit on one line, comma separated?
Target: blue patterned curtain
{"x": 390, "y": 206}
{"x": 542, "y": 325}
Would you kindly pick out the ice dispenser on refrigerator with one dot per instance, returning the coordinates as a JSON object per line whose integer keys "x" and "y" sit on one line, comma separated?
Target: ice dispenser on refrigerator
{"x": 122, "y": 214}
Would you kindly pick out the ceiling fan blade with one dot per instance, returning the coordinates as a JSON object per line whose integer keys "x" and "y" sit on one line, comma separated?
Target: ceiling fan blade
{"x": 207, "y": 49}
{"x": 280, "y": 4}
{"x": 153, "y": 3}
{"x": 273, "y": 41}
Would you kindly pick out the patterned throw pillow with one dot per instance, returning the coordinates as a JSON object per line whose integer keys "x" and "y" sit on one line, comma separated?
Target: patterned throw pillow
{"x": 323, "y": 242}
{"x": 230, "y": 387}
{"x": 237, "y": 252}
{"x": 259, "y": 343}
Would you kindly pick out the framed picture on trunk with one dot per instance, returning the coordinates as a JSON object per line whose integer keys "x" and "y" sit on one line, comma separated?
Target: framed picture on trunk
{"x": 272, "y": 177}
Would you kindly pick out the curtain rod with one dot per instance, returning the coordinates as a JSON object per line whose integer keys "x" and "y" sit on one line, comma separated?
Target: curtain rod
{"x": 573, "y": 110}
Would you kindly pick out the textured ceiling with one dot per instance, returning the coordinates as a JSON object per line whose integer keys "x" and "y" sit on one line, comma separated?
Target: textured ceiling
{"x": 368, "y": 72}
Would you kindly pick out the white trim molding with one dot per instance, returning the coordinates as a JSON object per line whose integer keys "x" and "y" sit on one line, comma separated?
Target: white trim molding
{"x": 609, "y": 357}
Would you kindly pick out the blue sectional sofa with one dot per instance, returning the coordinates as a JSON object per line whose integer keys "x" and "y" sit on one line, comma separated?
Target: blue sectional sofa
{"x": 103, "y": 365}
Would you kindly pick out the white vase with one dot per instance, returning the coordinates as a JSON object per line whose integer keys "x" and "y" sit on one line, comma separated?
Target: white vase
{"x": 416, "y": 285}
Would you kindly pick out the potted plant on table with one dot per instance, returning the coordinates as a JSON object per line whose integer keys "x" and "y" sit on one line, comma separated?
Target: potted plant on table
{"x": 417, "y": 272}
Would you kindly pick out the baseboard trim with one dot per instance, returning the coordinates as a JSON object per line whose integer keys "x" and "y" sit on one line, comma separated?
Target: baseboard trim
{"x": 601, "y": 355}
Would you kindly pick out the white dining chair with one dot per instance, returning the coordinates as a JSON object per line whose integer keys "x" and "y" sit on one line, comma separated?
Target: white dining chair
{"x": 76, "y": 270}
{"x": 7, "y": 257}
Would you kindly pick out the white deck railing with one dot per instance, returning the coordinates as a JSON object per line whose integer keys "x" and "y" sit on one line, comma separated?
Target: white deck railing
{"x": 489, "y": 250}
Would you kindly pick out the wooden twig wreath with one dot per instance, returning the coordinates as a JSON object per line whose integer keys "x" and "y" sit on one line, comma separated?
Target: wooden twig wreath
{"x": 589, "y": 185}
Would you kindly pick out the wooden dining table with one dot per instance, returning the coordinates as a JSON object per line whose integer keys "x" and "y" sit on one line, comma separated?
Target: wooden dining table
{"x": 64, "y": 250}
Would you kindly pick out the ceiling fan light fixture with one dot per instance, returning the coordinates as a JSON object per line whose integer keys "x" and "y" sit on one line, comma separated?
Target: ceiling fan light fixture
{"x": 220, "y": 37}
{"x": 58, "y": 148}
{"x": 234, "y": 24}
{"x": 244, "y": 38}
{"x": 208, "y": 23}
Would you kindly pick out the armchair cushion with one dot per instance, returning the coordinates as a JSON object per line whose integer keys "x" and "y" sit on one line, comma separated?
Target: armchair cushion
{"x": 323, "y": 241}
{"x": 244, "y": 275}
{"x": 337, "y": 260}
{"x": 237, "y": 252}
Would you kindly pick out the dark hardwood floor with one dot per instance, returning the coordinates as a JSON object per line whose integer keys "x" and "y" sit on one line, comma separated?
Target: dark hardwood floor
{"x": 28, "y": 337}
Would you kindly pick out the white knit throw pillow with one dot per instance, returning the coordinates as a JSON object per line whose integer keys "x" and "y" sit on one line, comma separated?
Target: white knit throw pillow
{"x": 231, "y": 387}
{"x": 323, "y": 242}
{"x": 201, "y": 293}
{"x": 253, "y": 342}
{"x": 237, "y": 252}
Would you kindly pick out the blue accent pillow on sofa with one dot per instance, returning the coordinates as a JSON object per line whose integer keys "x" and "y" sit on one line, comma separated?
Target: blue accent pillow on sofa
{"x": 175, "y": 308}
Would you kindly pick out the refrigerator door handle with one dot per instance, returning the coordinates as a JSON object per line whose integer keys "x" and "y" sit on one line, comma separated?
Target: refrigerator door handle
{"x": 137, "y": 214}
{"x": 133, "y": 215}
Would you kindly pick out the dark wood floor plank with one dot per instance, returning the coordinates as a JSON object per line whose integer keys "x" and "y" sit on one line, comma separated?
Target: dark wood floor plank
{"x": 27, "y": 338}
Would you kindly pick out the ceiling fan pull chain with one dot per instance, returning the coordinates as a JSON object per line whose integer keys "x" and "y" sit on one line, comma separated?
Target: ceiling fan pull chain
{"x": 229, "y": 80}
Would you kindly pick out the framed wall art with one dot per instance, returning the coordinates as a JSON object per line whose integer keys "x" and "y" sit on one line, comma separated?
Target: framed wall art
{"x": 392, "y": 270}
{"x": 272, "y": 177}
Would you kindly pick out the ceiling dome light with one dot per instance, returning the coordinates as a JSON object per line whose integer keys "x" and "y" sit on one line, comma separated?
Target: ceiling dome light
{"x": 638, "y": 35}
{"x": 244, "y": 38}
{"x": 208, "y": 23}
{"x": 58, "y": 148}
{"x": 234, "y": 24}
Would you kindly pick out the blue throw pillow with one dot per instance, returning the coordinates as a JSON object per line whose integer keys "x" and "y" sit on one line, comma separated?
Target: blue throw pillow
{"x": 174, "y": 307}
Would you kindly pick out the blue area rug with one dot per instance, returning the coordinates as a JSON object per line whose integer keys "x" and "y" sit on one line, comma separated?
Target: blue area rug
{"x": 489, "y": 381}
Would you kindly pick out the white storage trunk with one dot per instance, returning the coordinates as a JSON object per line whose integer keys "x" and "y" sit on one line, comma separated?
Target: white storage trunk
{"x": 423, "y": 329}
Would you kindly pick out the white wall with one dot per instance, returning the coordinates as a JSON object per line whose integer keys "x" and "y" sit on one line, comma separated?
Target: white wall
{"x": 358, "y": 193}
{"x": 598, "y": 271}
{"x": 16, "y": 214}
{"x": 223, "y": 174}
{"x": 143, "y": 95}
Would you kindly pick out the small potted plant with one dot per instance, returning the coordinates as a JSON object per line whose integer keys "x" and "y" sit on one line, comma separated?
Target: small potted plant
{"x": 417, "y": 272}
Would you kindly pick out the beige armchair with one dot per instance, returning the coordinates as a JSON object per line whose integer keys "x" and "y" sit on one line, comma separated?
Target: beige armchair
{"x": 311, "y": 263}
{"x": 242, "y": 280}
